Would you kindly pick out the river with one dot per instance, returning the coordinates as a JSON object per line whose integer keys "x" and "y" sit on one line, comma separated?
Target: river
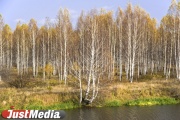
{"x": 165, "y": 112}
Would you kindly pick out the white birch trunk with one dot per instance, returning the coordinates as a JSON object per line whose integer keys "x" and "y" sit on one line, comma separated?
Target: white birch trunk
{"x": 44, "y": 60}
{"x": 33, "y": 54}
{"x": 65, "y": 54}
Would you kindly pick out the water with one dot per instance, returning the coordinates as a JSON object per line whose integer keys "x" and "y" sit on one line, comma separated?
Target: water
{"x": 166, "y": 112}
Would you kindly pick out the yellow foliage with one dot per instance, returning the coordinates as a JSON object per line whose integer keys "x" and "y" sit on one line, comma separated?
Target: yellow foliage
{"x": 76, "y": 66}
{"x": 49, "y": 69}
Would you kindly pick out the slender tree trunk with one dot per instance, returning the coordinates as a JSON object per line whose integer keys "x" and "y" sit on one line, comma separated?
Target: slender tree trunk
{"x": 18, "y": 57}
{"x": 33, "y": 54}
{"x": 65, "y": 54}
{"x": 44, "y": 59}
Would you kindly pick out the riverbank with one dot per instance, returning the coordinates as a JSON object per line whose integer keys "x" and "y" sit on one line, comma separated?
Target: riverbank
{"x": 151, "y": 92}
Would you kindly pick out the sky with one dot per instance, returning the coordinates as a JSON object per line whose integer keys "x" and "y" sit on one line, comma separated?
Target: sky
{"x": 23, "y": 10}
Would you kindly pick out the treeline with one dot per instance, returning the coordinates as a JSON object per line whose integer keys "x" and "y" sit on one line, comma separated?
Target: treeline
{"x": 100, "y": 47}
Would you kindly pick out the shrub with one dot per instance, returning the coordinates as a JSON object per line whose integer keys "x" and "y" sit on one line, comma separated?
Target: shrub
{"x": 53, "y": 82}
{"x": 49, "y": 88}
{"x": 36, "y": 83}
{"x": 18, "y": 83}
{"x": 49, "y": 70}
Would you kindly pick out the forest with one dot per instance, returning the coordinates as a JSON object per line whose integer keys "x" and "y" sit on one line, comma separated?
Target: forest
{"x": 104, "y": 45}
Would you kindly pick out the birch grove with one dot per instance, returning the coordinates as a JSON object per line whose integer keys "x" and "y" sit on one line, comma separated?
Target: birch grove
{"x": 102, "y": 45}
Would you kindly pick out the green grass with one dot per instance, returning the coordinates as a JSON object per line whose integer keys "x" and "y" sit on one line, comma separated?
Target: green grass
{"x": 40, "y": 106}
{"x": 152, "y": 101}
{"x": 68, "y": 105}
{"x": 113, "y": 103}
{"x": 56, "y": 106}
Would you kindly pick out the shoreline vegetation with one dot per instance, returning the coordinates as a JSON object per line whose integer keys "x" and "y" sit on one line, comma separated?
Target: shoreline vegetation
{"x": 115, "y": 94}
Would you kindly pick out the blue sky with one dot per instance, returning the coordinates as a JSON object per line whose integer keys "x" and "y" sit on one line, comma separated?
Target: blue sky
{"x": 15, "y": 10}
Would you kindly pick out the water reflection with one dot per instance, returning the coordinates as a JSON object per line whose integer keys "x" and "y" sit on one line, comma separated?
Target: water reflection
{"x": 167, "y": 112}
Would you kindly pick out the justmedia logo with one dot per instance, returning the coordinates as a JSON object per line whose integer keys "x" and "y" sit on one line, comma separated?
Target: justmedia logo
{"x": 33, "y": 114}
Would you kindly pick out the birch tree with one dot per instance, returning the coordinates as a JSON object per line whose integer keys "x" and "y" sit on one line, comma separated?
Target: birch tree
{"x": 65, "y": 26}
{"x": 1, "y": 41}
{"x": 33, "y": 34}
{"x": 120, "y": 36}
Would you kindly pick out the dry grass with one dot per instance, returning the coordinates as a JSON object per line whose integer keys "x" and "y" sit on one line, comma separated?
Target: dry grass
{"x": 139, "y": 90}
{"x": 57, "y": 93}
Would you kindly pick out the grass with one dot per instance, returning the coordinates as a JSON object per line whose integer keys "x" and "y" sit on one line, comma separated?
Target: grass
{"x": 39, "y": 106}
{"x": 153, "y": 101}
{"x": 24, "y": 99}
{"x": 113, "y": 103}
{"x": 52, "y": 94}
{"x": 55, "y": 106}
